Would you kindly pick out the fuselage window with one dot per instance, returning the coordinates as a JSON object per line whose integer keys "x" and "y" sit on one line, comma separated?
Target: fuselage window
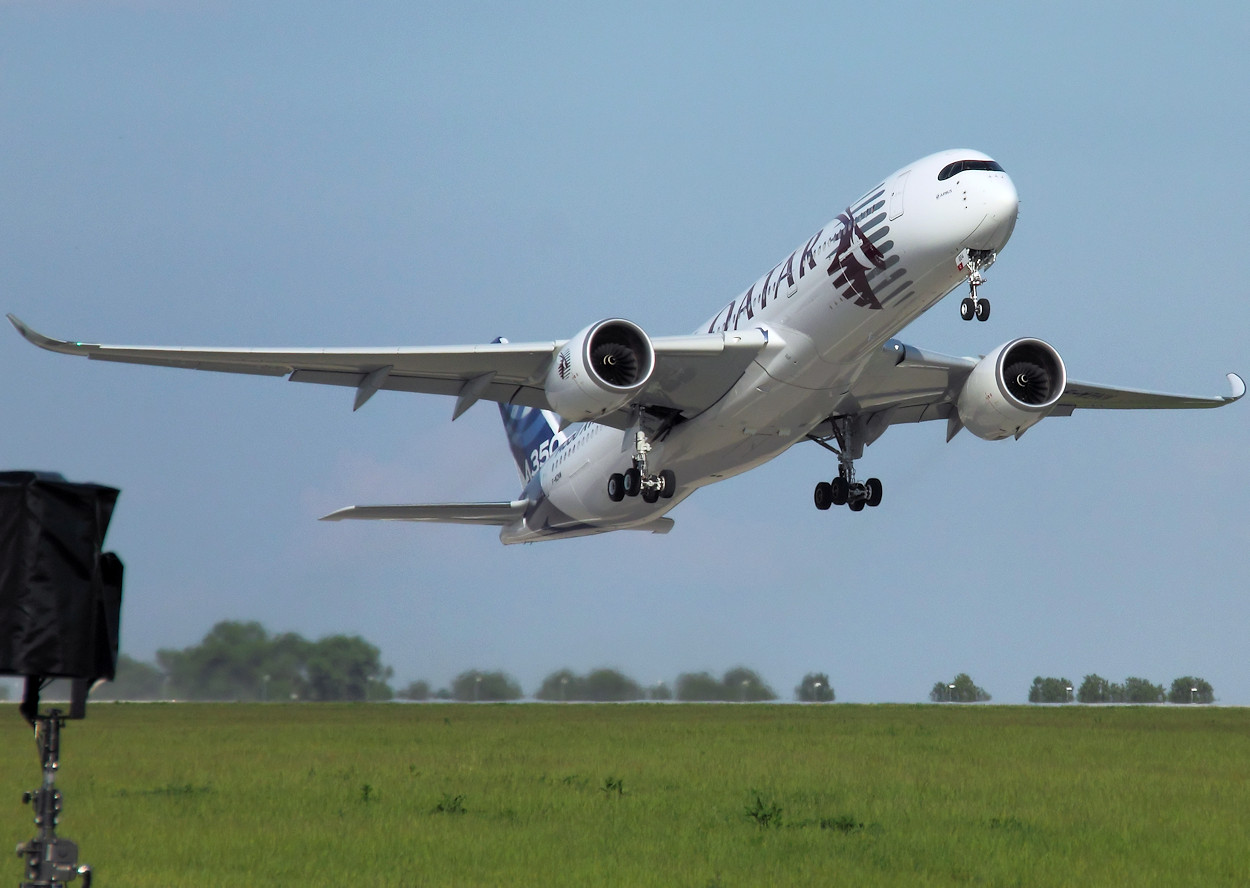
{"x": 959, "y": 166}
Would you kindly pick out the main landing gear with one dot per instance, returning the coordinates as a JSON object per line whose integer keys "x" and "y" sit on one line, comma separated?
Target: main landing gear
{"x": 971, "y": 263}
{"x": 844, "y": 490}
{"x": 637, "y": 481}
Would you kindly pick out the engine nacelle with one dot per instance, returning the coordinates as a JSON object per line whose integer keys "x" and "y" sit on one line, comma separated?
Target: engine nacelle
{"x": 599, "y": 370}
{"x": 1011, "y": 389}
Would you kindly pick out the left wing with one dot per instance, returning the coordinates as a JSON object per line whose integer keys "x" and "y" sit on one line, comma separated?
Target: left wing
{"x": 691, "y": 372}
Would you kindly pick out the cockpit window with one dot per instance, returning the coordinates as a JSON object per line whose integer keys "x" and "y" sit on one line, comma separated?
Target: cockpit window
{"x": 954, "y": 169}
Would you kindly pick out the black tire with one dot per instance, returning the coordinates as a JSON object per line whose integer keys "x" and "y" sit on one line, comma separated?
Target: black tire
{"x": 650, "y": 495}
{"x": 873, "y": 486}
{"x": 668, "y": 483}
{"x": 966, "y": 309}
{"x": 616, "y": 487}
{"x": 632, "y": 482}
{"x": 857, "y": 505}
{"x": 823, "y": 496}
{"x": 983, "y": 309}
{"x": 840, "y": 491}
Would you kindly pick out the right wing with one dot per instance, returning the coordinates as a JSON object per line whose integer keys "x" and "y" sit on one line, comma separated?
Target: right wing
{"x": 904, "y": 384}
{"x": 691, "y": 372}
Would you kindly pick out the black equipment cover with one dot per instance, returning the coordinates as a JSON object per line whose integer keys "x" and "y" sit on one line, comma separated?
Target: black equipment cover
{"x": 60, "y": 596}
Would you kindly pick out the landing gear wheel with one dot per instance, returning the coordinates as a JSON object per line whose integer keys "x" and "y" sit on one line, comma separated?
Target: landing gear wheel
{"x": 840, "y": 491}
{"x": 968, "y": 309}
{"x": 616, "y": 487}
{"x": 650, "y": 495}
{"x": 857, "y": 505}
{"x": 823, "y": 496}
{"x": 873, "y": 488}
{"x": 632, "y": 482}
{"x": 668, "y": 483}
{"x": 982, "y": 309}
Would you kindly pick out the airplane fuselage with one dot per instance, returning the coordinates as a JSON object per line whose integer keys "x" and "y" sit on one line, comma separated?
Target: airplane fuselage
{"x": 827, "y": 310}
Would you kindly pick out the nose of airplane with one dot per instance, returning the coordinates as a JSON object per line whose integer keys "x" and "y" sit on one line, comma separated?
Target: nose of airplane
{"x": 995, "y": 195}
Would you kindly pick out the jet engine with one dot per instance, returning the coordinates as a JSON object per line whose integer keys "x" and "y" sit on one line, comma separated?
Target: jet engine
{"x": 1011, "y": 389}
{"x": 599, "y": 370}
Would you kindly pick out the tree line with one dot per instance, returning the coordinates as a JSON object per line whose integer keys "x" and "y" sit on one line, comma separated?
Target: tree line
{"x": 1094, "y": 689}
{"x": 242, "y": 661}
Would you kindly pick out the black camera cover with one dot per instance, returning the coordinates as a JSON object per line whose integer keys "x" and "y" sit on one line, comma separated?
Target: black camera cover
{"x": 60, "y": 596}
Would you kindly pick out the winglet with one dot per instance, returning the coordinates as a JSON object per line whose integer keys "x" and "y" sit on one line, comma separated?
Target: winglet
{"x": 47, "y": 342}
{"x": 1236, "y": 382}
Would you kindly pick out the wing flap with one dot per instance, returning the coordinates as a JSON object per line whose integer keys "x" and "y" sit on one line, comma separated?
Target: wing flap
{"x": 497, "y": 514}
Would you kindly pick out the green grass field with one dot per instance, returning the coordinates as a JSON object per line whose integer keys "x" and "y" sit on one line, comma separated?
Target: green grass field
{"x": 686, "y": 795}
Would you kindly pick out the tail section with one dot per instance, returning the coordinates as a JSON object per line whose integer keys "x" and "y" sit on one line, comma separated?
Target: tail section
{"x": 533, "y": 434}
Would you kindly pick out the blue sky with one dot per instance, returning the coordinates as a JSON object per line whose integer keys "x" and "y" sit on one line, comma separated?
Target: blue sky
{"x": 313, "y": 174}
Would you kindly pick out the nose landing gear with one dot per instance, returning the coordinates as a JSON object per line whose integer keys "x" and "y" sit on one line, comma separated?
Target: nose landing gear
{"x": 971, "y": 263}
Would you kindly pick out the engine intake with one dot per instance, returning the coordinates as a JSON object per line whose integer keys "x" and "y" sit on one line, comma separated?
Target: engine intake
{"x": 599, "y": 370}
{"x": 1011, "y": 389}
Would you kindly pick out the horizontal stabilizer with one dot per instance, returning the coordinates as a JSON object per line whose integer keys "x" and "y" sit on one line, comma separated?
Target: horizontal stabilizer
{"x": 497, "y": 514}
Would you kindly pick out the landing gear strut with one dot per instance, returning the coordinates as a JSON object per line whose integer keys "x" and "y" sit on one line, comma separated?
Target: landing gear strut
{"x": 844, "y": 490}
{"x": 971, "y": 263}
{"x": 637, "y": 481}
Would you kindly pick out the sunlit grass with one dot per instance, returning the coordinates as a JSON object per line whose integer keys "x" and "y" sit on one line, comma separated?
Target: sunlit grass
{"x": 646, "y": 794}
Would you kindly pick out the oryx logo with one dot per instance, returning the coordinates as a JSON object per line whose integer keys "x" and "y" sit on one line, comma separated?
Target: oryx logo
{"x": 855, "y": 255}
{"x": 564, "y": 363}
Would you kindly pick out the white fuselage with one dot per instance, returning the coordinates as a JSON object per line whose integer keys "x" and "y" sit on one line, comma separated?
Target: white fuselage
{"x": 827, "y": 309}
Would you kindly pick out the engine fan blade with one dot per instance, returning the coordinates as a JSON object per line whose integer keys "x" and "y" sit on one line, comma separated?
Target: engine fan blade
{"x": 1028, "y": 382}
{"x": 614, "y": 362}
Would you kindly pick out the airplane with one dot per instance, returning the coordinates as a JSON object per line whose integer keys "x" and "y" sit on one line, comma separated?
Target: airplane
{"x": 611, "y": 428}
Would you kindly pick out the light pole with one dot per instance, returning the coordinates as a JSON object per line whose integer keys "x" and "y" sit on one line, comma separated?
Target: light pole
{"x": 1069, "y": 700}
{"x": 745, "y": 682}
{"x": 477, "y": 683}
{"x": 950, "y": 693}
{"x": 564, "y": 682}
{"x": 264, "y": 688}
{"x": 1192, "y": 693}
{"x": 816, "y": 692}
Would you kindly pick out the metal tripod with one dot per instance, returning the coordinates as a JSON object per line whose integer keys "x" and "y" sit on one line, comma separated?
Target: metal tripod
{"x": 50, "y": 859}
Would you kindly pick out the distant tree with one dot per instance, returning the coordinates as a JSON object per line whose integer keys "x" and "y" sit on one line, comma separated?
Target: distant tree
{"x": 745, "y": 686}
{"x": 475, "y": 686}
{"x": 698, "y": 687}
{"x": 660, "y": 691}
{"x": 610, "y": 686}
{"x": 1188, "y": 689}
{"x": 342, "y": 667}
{"x": 960, "y": 690}
{"x": 1138, "y": 690}
{"x": 1050, "y": 690}
{"x": 135, "y": 680}
{"x": 1094, "y": 689}
{"x": 227, "y": 665}
{"x": 561, "y": 686}
{"x": 814, "y": 688}
{"x": 240, "y": 661}
{"x": 415, "y": 690}
{"x": 738, "y": 685}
